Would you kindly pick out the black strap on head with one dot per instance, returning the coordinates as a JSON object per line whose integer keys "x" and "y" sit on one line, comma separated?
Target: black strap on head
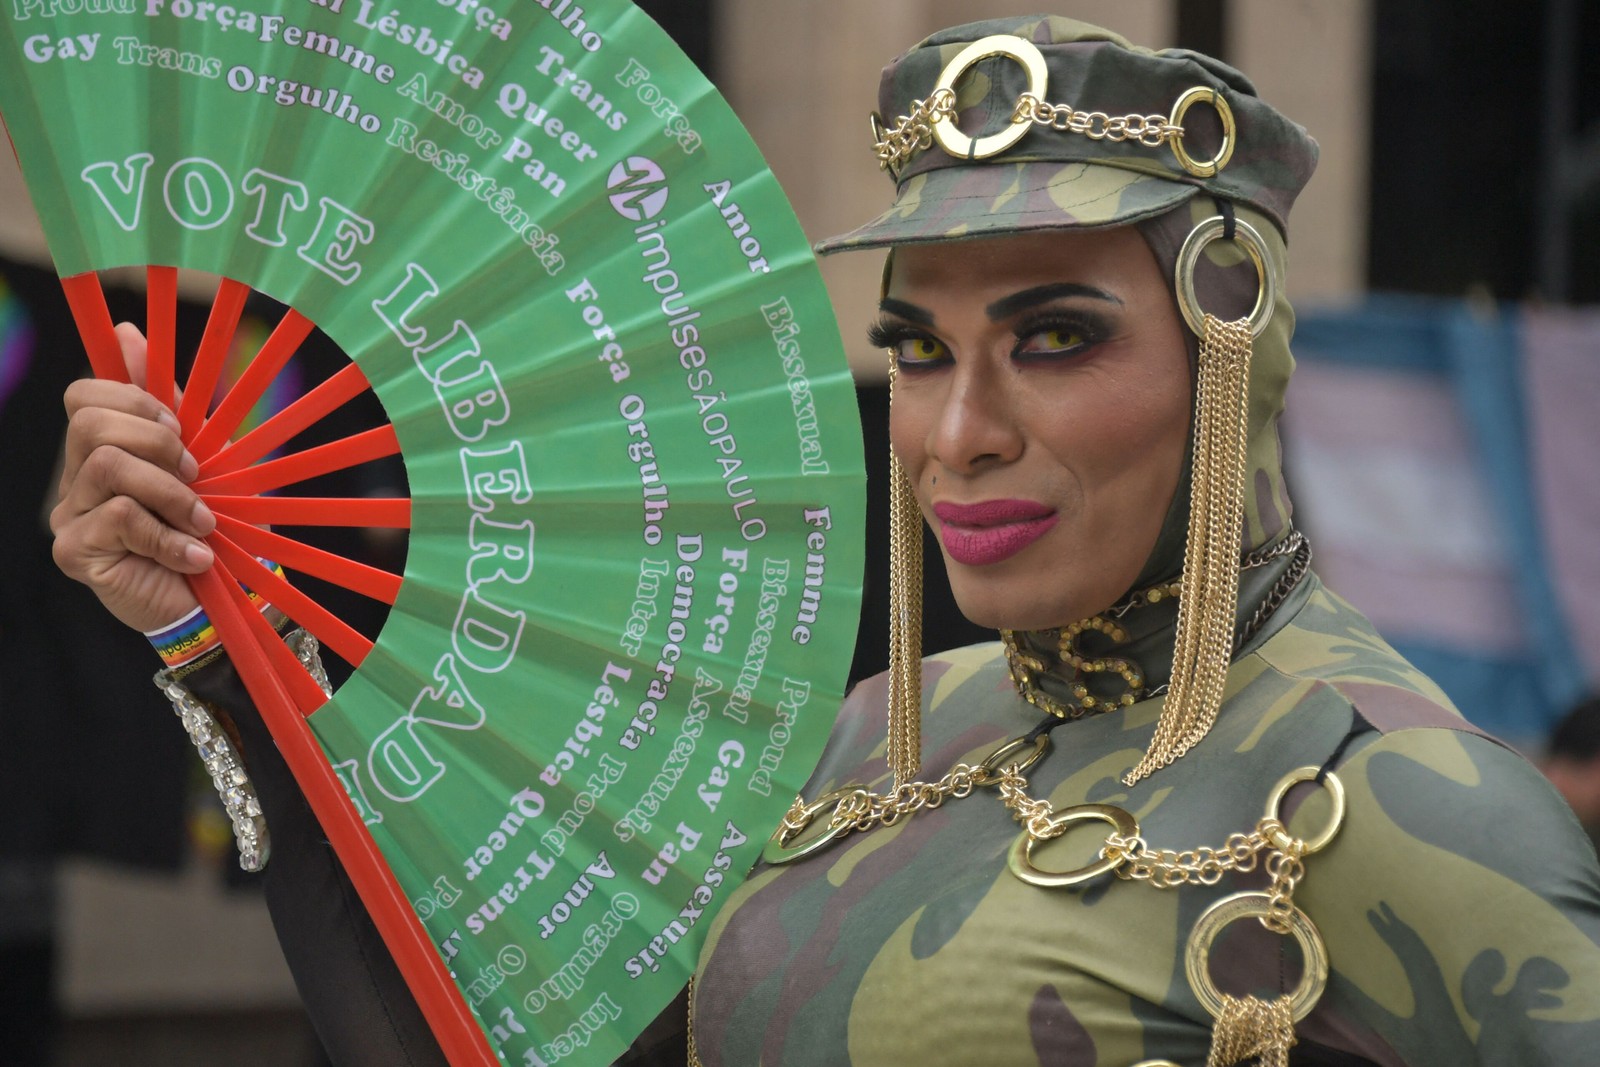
{"x": 1225, "y": 209}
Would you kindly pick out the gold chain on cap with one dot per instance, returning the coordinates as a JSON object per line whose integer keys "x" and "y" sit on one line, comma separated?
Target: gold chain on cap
{"x": 933, "y": 120}
{"x": 1152, "y": 131}
{"x": 950, "y": 138}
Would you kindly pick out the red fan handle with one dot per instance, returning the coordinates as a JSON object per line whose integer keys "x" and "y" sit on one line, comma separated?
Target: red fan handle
{"x": 282, "y": 691}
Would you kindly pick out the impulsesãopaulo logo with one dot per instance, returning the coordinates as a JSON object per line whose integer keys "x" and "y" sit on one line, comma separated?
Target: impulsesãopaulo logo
{"x": 641, "y": 189}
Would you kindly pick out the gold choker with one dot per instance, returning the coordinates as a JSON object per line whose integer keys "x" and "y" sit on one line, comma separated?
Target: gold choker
{"x": 1026, "y": 668}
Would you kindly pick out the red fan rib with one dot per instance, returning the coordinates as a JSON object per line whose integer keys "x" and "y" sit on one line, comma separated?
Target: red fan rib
{"x": 281, "y": 690}
{"x": 330, "y": 567}
{"x": 339, "y": 389}
{"x": 334, "y": 456}
{"x": 462, "y": 1039}
{"x": 88, "y": 304}
{"x": 213, "y": 352}
{"x": 328, "y": 627}
{"x": 394, "y": 512}
{"x": 292, "y": 329}
{"x": 303, "y": 690}
{"x": 161, "y": 331}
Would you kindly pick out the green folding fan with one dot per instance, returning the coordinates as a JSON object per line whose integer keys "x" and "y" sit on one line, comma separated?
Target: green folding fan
{"x": 609, "y": 367}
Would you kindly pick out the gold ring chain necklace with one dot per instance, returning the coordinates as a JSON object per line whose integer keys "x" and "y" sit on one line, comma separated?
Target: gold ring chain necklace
{"x": 1127, "y": 854}
{"x": 1244, "y": 1027}
{"x": 857, "y": 809}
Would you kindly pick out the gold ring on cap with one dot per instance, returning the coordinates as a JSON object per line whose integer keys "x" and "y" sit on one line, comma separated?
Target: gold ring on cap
{"x": 1189, "y": 256}
{"x": 1026, "y": 53}
{"x": 1197, "y": 956}
{"x": 781, "y": 848}
{"x": 1280, "y": 837}
{"x": 1230, "y": 131}
{"x": 1021, "y": 858}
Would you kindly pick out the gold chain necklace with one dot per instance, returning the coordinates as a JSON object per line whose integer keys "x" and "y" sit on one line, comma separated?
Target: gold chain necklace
{"x": 1244, "y": 1026}
{"x": 1132, "y": 859}
{"x": 855, "y": 808}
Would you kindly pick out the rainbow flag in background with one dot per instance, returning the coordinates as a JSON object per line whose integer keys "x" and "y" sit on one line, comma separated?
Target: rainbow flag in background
{"x": 248, "y": 338}
{"x": 17, "y": 338}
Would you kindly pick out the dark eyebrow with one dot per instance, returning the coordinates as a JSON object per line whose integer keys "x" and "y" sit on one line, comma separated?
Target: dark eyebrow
{"x": 909, "y": 312}
{"x": 1008, "y": 306}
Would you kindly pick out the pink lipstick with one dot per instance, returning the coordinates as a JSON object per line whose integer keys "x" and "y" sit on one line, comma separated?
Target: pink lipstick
{"x": 992, "y": 530}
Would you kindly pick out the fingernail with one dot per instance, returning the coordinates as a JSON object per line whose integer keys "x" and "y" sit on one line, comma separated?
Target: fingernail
{"x": 188, "y": 467}
{"x": 169, "y": 420}
{"x": 198, "y": 554}
{"x": 201, "y": 518}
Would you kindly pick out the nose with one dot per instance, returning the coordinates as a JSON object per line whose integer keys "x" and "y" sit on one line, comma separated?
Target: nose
{"x": 977, "y": 423}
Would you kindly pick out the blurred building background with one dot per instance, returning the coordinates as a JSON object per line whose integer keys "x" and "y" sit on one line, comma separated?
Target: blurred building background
{"x": 1441, "y": 439}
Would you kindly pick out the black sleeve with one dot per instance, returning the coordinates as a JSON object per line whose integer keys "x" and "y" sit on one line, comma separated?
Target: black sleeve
{"x": 361, "y": 1008}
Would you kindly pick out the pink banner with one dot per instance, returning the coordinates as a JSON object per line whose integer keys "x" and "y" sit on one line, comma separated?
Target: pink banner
{"x": 1561, "y": 360}
{"x": 1386, "y": 484}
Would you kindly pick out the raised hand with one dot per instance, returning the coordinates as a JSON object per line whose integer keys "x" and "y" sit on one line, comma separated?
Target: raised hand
{"x": 127, "y": 525}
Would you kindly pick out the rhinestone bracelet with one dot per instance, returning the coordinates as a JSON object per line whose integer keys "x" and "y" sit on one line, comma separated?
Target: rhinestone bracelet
{"x": 226, "y": 769}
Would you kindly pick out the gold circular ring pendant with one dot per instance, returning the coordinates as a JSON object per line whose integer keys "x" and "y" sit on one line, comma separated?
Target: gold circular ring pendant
{"x": 1021, "y": 857}
{"x": 1280, "y": 837}
{"x": 1197, "y": 957}
{"x": 1027, "y": 54}
{"x": 785, "y": 845}
{"x": 1230, "y": 131}
{"x": 995, "y": 762}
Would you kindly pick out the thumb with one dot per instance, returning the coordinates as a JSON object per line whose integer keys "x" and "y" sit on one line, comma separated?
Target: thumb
{"x": 136, "y": 356}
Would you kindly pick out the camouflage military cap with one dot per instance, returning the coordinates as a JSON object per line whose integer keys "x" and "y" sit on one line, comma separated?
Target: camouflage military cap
{"x": 1096, "y": 147}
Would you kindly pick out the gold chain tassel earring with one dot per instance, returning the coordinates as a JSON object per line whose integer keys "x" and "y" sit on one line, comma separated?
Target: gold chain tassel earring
{"x": 905, "y": 620}
{"x": 1203, "y": 645}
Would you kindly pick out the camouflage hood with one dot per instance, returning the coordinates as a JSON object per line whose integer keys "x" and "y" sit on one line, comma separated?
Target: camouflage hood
{"x": 1226, "y": 283}
{"x": 1125, "y": 166}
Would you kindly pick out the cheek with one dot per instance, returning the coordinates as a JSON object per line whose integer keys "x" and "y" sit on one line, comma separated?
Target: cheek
{"x": 1160, "y": 438}
{"x": 1158, "y": 418}
{"x": 1170, "y": 424}
{"x": 1127, "y": 429}
{"x": 1126, "y": 454}
{"x": 908, "y": 435}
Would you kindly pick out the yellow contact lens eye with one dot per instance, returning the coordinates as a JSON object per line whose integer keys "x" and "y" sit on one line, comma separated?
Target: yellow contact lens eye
{"x": 921, "y": 349}
{"x": 1062, "y": 339}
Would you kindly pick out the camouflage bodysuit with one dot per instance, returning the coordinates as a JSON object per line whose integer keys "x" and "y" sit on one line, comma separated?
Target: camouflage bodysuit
{"x": 1460, "y": 901}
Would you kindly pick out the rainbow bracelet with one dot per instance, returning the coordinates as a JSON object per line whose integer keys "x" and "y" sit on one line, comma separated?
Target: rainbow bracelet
{"x": 193, "y": 636}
